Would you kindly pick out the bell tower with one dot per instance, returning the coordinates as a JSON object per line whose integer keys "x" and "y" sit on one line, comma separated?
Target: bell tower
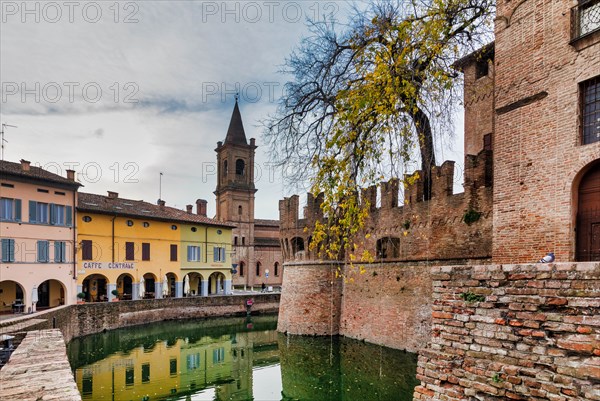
{"x": 235, "y": 169}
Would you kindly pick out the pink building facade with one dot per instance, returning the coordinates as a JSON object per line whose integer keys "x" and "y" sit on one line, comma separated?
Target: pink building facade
{"x": 37, "y": 234}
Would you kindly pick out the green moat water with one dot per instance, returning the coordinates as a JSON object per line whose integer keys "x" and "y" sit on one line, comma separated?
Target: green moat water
{"x": 235, "y": 359}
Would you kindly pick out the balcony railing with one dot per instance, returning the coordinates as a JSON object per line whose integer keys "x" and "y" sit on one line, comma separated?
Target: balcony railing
{"x": 585, "y": 19}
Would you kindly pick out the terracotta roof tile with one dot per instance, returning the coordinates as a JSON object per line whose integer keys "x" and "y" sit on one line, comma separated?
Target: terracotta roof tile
{"x": 264, "y": 222}
{"x": 139, "y": 209}
{"x": 8, "y": 169}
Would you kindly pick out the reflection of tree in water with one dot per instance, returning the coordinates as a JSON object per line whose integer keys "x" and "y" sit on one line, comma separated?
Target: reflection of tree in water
{"x": 334, "y": 368}
{"x": 218, "y": 358}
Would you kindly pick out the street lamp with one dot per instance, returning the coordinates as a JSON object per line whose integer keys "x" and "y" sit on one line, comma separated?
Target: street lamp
{"x": 267, "y": 276}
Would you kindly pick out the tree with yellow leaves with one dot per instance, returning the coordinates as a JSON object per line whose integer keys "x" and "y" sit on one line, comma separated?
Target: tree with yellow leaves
{"x": 365, "y": 96}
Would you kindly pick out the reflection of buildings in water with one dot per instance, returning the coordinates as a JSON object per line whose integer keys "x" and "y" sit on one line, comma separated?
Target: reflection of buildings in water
{"x": 180, "y": 368}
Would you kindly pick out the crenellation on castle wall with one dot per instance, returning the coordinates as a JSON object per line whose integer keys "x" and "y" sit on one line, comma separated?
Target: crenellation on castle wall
{"x": 419, "y": 230}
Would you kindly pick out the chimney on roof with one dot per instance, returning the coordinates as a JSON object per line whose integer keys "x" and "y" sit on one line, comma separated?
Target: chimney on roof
{"x": 201, "y": 207}
{"x": 161, "y": 203}
{"x": 25, "y": 164}
{"x": 71, "y": 175}
{"x": 189, "y": 208}
{"x": 113, "y": 195}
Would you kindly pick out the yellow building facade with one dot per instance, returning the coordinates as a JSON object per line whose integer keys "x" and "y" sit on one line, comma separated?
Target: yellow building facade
{"x": 143, "y": 250}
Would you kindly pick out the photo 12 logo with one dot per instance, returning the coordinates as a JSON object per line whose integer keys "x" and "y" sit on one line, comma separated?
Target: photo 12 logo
{"x": 251, "y": 92}
{"x": 253, "y": 12}
{"x": 53, "y": 12}
{"x": 54, "y": 92}
{"x": 92, "y": 172}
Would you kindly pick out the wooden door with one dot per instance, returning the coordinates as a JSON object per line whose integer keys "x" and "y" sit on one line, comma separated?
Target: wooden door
{"x": 588, "y": 216}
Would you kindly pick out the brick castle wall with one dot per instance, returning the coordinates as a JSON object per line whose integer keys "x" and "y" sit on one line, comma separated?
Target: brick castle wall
{"x": 425, "y": 230}
{"x": 535, "y": 334}
{"x": 310, "y": 299}
{"x": 538, "y": 152}
{"x": 389, "y": 304}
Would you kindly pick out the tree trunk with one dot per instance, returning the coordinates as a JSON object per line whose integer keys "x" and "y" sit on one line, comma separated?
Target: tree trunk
{"x": 425, "y": 137}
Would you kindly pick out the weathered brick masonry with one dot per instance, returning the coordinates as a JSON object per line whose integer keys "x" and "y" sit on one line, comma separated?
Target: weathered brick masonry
{"x": 389, "y": 304}
{"x": 539, "y": 157}
{"x": 534, "y": 336}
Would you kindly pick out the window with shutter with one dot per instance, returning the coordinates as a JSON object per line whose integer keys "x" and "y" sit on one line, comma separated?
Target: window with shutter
{"x": 10, "y": 209}
{"x": 129, "y": 251}
{"x": 32, "y": 211}
{"x": 42, "y": 251}
{"x": 60, "y": 255}
{"x": 69, "y": 216}
{"x": 145, "y": 251}
{"x": 86, "y": 250}
{"x": 8, "y": 250}
{"x": 173, "y": 252}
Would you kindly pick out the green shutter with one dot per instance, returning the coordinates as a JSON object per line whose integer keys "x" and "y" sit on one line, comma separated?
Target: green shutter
{"x": 17, "y": 210}
{"x": 68, "y": 216}
{"x": 5, "y": 249}
{"x": 32, "y": 211}
{"x": 43, "y": 251}
{"x": 52, "y": 213}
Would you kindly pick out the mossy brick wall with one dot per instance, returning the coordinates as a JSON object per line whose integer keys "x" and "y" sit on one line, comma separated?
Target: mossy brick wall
{"x": 535, "y": 336}
{"x": 80, "y": 320}
{"x": 388, "y": 304}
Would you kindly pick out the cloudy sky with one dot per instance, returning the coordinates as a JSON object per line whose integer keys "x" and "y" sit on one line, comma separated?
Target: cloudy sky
{"x": 121, "y": 91}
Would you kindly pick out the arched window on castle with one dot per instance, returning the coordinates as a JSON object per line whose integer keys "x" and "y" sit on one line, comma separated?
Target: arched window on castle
{"x": 240, "y": 167}
{"x": 297, "y": 245}
{"x": 388, "y": 248}
{"x": 242, "y": 269}
{"x": 240, "y": 210}
{"x": 225, "y": 168}
{"x": 276, "y": 269}
{"x": 257, "y": 269}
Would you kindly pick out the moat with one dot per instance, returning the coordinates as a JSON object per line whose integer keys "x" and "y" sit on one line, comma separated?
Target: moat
{"x": 235, "y": 359}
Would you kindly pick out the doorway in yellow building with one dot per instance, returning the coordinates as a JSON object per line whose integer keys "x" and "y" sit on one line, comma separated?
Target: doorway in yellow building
{"x": 94, "y": 288}
{"x": 195, "y": 285}
{"x": 149, "y": 285}
{"x": 125, "y": 286}
{"x": 216, "y": 283}
{"x": 171, "y": 283}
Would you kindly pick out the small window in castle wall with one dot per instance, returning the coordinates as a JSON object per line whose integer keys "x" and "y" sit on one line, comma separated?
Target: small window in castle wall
{"x": 482, "y": 69}
{"x": 585, "y": 18}
{"x": 590, "y": 110}
{"x": 487, "y": 142}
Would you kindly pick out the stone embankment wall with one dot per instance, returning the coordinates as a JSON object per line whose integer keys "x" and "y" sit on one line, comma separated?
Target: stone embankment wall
{"x": 80, "y": 320}
{"x": 39, "y": 370}
{"x": 388, "y": 304}
{"x": 520, "y": 332}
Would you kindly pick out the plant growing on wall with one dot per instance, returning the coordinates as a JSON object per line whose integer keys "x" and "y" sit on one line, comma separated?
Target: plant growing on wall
{"x": 472, "y": 297}
{"x": 471, "y": 216}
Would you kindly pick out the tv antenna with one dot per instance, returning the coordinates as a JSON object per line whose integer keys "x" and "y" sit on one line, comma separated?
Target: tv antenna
{"x": 2, "y": 140}
{"x": 160, "y": 174}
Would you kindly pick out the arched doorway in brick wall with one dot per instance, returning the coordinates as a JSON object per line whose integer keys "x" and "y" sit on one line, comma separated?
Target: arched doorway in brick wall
{"x": 588, "y": 216}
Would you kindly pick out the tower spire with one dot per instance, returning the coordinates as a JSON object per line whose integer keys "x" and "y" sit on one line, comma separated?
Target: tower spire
{"x": 236, "y": 133}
